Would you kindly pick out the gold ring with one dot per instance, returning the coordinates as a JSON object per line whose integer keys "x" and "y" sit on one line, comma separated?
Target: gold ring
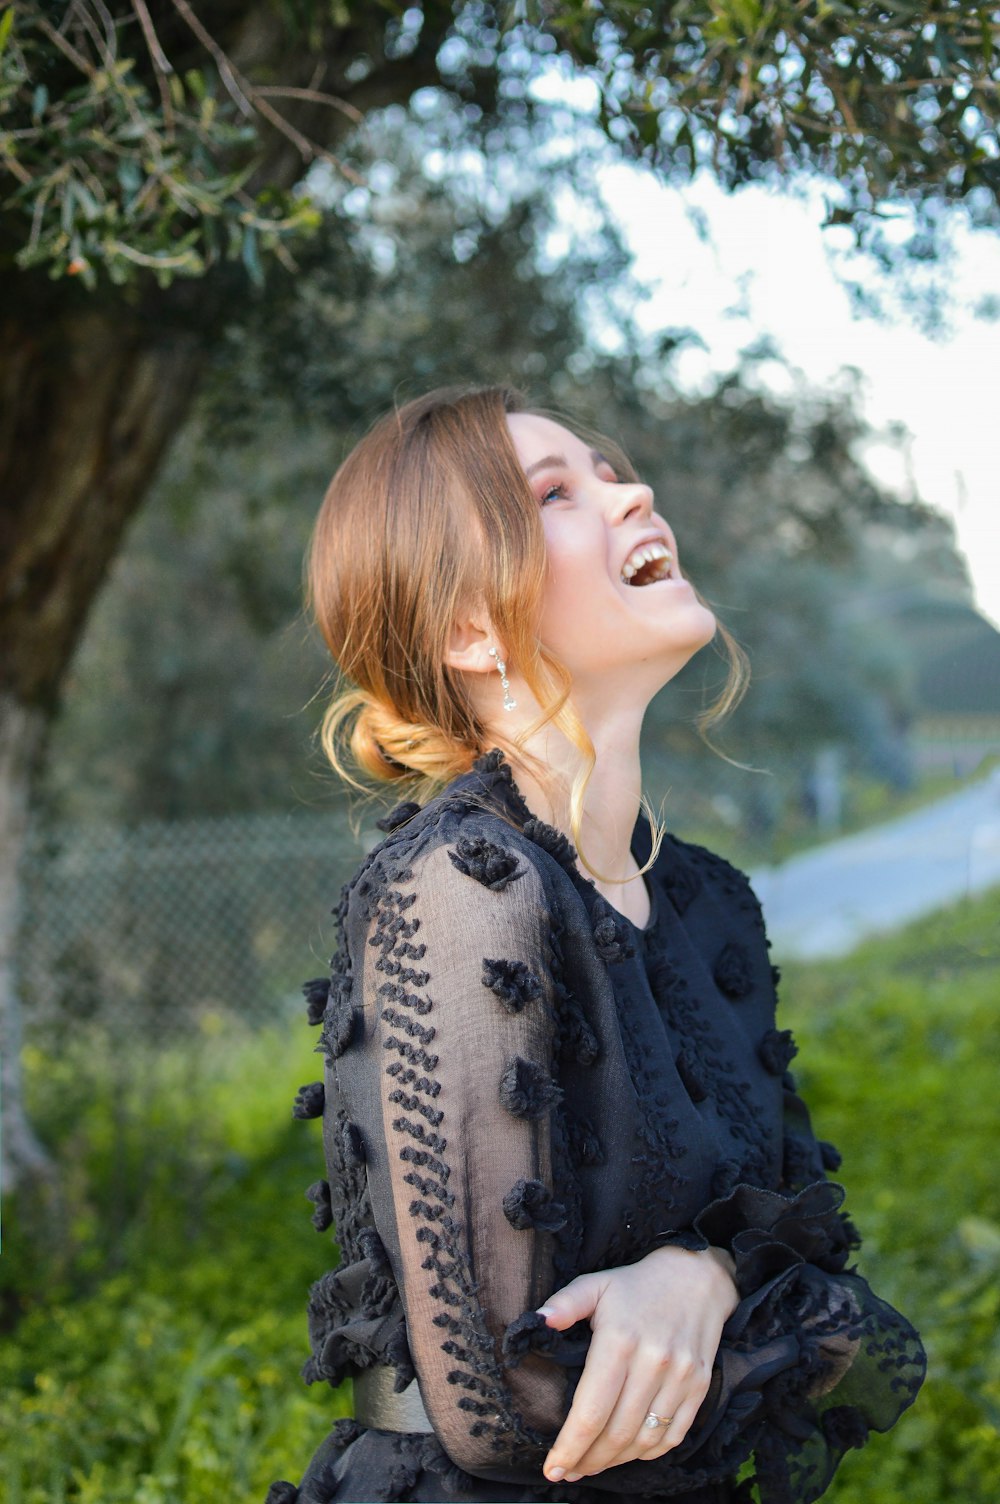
{"x": 653, "y": 1422}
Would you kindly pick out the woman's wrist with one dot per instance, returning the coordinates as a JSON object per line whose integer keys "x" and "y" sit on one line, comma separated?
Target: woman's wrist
{"x": 724, "y": 1259}
{"x": 720, "y": 1258}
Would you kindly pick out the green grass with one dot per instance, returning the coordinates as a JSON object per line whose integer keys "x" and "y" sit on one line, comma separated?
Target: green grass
{"x": 900, "y": 1047}
{"x": 155, "y": 1322}
{"x": 159, "y": 1315}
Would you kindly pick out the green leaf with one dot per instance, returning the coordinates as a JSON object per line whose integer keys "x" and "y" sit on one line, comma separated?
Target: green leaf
{"x": 6, "y": 25}
{"x": 250, "y": 256}
{"x": 88, "y": 203}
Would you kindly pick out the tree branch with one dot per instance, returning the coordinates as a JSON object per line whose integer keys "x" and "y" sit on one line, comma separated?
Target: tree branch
{"x": 249, "y": 99}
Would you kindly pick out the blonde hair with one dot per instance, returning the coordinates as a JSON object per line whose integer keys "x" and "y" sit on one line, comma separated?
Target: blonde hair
{"x": 394, "y": 559}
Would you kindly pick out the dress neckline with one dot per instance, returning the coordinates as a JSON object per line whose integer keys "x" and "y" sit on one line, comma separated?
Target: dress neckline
{"x": 496, "y": 773}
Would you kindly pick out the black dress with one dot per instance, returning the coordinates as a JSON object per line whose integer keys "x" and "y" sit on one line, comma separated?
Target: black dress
{"x": 522, "y": 1086}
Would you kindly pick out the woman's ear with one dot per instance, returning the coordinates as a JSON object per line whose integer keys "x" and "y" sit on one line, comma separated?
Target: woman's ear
{"x": 469, "y": 643}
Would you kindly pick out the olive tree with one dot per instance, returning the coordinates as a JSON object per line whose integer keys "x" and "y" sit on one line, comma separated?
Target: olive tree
{"x": 153, "y": 158}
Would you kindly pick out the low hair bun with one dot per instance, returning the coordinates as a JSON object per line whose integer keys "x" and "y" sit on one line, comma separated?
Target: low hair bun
{"x": 394, "y": 750}
{"x": 385, "y": 746}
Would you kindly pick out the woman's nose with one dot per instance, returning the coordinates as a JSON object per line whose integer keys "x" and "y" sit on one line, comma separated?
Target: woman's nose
{"x": 635, "y": 497}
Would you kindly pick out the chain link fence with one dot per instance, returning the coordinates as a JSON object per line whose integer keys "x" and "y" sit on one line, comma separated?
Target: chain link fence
{"x": 152, "y": 930}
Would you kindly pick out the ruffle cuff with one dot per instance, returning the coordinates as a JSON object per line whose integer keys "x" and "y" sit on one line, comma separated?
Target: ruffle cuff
{"x": 810, "y": 1361}
{"x": 768, "y": 1232}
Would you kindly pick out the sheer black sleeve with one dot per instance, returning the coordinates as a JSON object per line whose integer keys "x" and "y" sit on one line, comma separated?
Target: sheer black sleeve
{"x": 448, "y": 1080}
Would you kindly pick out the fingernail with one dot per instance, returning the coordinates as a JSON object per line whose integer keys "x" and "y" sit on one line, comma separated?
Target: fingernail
{"x": 545, "y": 1311}
{"x": 555, "y": 1473}
{"x": 572, "y": 1477}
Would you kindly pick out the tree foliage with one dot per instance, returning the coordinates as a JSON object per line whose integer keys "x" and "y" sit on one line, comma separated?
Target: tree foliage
{"x": 777, "y": 519}
{"x": 888, "y": 100}
{"x": 139, "y": 136}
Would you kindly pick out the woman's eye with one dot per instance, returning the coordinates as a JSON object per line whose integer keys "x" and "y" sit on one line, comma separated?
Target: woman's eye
{"x": 557, "y": 489}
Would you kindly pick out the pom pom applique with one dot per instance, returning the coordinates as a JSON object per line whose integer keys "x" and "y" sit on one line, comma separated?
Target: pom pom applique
{"x": 397, "y": 1353}
{"x": 610, "y": 936}
{"x": 309, "y": 1101}
{"x": 584, "y": 1145}
{"x": 732, "y": 971}
{"x": 374, "y": 1249}
{"x": 681, "y": 883}
{"x": 338, "y": 1020}
{"x": 830, "y": 1155}
{"x": 776, "y": 1050}
{"x": 514, "y": 983}
{"x": 379, "y": 1287}
{"x": 492, "y": 762}
{"x": 690, "y": 1072}
{"x": 493, "y": 866}
{"x": 527, "y": 1333}
{"x": 399, "y": 815}
{"x": 319, "y": 1194}
{"x": 551, "y": 840}
{"x": 576, "y": 1039}
{"x": 329, "y": 1302}
{"x": 282, "y": 1493}
{"x": 529, "y": 1203}
{"x": 798, "y": 1168}
{"x": 526, "y": 1089}
{"x": 316, "y": 994}
{"x": 845, "y": 1426}
{"x": 352, "y": 1145}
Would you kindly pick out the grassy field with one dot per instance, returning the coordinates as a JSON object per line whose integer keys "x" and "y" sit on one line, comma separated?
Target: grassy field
{"x": 154, "y": 1320}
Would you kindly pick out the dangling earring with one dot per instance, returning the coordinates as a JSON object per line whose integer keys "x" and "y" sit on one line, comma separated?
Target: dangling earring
{"x": 508, "y": 703}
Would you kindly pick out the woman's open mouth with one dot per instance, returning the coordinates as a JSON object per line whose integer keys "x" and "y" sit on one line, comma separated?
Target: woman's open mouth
{"x": 648, "y": 564}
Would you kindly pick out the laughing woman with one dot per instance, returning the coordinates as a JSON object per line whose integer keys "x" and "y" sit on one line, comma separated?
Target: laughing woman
{"x": 588, "y": 1245}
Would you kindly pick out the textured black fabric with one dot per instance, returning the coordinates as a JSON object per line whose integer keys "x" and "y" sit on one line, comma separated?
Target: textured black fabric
{"x": 522, "y": 1086}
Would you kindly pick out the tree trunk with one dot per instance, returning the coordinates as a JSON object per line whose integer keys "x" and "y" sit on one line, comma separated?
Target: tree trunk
{"x": 87, "y": 408}
{"x": 21, "y": 738}
{"x": 92, "y": 390}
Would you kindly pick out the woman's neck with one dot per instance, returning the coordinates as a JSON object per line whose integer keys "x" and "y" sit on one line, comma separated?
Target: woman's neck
{"x": 610, "y": 807}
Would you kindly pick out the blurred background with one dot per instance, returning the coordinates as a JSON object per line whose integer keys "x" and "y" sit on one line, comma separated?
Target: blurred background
{"x": 755, "y": 244}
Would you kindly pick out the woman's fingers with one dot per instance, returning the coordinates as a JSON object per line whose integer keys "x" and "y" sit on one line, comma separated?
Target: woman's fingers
{"x": 594, "y": 1401}
{"x": 623, "y": 1436}
{"x": 677, "y": 1391}
{"x": 656, "y": 1327}
{"x": 656, "y": 1442}
{"x": 574, "y": 1302}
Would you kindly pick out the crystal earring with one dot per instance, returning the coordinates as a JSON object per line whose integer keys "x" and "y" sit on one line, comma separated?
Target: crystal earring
{"x": 508, "y": 703}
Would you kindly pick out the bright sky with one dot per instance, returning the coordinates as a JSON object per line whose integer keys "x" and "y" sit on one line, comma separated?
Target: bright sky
{"x": 768, "y": 259}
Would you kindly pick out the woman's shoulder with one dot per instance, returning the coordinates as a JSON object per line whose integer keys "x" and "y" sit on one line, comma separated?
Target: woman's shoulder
{"x": 481, "y": 842}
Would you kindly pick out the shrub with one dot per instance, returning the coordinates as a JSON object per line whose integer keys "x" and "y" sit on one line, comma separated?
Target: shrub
{"x": 160, "y": 1327}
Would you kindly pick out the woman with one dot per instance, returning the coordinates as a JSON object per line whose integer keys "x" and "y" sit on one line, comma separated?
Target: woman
{"x": 587, "y": 1242}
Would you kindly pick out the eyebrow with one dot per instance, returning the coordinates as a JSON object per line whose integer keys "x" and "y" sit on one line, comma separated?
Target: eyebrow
{"x": 560, "y": 459}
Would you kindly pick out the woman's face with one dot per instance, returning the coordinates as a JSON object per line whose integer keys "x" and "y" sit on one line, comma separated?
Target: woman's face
{"x": 592, "y": 618}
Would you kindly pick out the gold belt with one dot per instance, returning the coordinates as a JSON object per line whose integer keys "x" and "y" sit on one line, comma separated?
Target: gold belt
{"x": 376, "y": 1405}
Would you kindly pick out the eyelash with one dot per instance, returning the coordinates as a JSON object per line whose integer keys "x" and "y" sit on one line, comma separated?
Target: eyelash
{"x": 558, "y": 486}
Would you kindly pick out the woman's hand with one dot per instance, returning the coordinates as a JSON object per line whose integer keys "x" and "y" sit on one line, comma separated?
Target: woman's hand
{"x": 657, "y": 1325}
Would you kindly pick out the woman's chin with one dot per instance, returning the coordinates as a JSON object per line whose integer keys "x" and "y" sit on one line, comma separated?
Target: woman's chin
{"x": 693, "y": 628}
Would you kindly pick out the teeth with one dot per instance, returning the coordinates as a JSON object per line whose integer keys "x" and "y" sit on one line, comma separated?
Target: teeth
{"x": 645, "y": 555}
